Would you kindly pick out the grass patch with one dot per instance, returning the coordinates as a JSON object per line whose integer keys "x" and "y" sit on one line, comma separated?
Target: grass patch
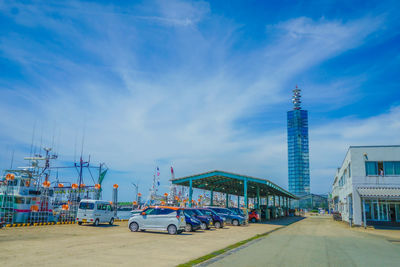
{"x": 224, "y": 250}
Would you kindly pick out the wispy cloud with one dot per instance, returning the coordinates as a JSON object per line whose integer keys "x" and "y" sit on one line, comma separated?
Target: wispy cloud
{"x": 151, "y": 94}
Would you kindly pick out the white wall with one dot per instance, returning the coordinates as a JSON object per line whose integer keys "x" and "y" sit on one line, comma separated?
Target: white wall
{"x": 355, "y": 156}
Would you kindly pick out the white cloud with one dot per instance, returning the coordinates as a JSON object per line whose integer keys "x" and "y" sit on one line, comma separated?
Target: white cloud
{"x": 159, "y": 95}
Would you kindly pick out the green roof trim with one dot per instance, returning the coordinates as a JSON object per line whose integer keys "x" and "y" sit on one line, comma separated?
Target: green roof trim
{"x": 232, "y": 183}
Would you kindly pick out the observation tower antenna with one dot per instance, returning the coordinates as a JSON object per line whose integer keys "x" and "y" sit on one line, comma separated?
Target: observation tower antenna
{"x": 296, "y": 98}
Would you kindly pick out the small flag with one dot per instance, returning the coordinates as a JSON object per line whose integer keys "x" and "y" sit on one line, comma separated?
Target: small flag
{"x": 172, "y": 173}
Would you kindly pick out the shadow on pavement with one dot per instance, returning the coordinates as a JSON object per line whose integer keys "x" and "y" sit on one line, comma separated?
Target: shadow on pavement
{"x": 284, "y": 221}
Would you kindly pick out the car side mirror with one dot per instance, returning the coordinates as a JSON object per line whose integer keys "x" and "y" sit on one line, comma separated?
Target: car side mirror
{"x": 143, "y": 213}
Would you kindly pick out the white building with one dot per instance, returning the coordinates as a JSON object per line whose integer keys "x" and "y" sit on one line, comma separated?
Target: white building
{"x": 366, "y": 188}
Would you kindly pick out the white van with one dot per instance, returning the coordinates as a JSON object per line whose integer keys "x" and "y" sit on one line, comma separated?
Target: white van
{"x": 95, "y": 211}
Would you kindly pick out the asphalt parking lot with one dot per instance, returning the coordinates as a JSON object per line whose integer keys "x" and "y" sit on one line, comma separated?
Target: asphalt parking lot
{"x": 66, "y": 245}
{"x": 317, "y": 241}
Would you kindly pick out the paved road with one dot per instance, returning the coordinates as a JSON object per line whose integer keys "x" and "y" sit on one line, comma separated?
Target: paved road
{"x": 316, "y": 241}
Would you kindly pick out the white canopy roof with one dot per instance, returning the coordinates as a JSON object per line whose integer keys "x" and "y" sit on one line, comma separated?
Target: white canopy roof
{"x": 379, "y": 192}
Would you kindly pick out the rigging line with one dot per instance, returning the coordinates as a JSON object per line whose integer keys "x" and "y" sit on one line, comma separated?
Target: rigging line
{"x": 91, "y": 175}
{"x": 77, "y": 170}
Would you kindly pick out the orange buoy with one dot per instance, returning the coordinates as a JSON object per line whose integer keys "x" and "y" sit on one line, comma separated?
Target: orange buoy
{"x": 97, "y": 186}
{"x": 165, "y": 194}
{"x": 115, "y": 186}
{"x": 83, "y": 185}
{"x": 46, "y": 184}
{"x": 34, "y": 208}
{"x": 27, "y": 183}
{"x": 10, "y": 176}
{"x": 74, "y": 186}
{"x": 60, "y": 185}
{"x": 139, "y": 194}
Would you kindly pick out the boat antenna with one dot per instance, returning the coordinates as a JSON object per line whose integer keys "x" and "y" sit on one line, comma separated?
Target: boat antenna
{"x": 33, "y": 138}
{"x": 56, "y": 151}
{"x": 12, "y": 159}
{"x": 41, "y": 139}
{"x": 52, "y": 139}
{"x": 83, "y": 141}
{"x": 76, "y": 137}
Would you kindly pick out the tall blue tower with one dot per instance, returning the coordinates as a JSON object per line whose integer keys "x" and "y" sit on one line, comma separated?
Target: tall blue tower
{"x": 298, "y": 155}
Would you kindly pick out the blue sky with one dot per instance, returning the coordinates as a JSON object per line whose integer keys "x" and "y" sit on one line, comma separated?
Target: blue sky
{"x": 197, "y": 85}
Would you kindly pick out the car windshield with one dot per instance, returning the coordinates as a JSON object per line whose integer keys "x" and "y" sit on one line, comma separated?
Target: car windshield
{"x": 235, "y": 212}
{"x": 86, "y": 206}
{"x": 225, "y": 211}
{"x": 198, "y": 212}
{"x": 212, "y": 212}
{"x": 190, "y": 212}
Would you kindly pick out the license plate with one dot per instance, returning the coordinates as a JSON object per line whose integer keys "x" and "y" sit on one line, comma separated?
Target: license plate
{"x": 84, "y": 220}
{"x": 211, "y": 223}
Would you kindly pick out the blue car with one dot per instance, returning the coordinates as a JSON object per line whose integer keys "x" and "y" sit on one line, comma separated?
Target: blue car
{"x": 204, "y": 219}
{"x": 237, "y": 211}
{"x": 230, "y": 216}
{"x": 217, "y": 220}
{"x": 192, "y": 224}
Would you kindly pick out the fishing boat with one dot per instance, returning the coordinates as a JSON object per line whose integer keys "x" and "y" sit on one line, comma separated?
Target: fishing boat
{"x": 29, "y": 195}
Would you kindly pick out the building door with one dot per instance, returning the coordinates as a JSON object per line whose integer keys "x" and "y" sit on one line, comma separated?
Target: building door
{"x": 392, "y": 212}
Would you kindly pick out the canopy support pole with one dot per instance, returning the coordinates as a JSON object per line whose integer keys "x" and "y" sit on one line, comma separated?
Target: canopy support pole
{"x": 190, "y": 192}
{"x": 246, "y": 201}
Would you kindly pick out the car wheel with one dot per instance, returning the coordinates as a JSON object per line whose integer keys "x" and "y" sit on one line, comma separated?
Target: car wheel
{"x": 96, "y": 222}
{"x": 134, "y": 227}
{"x": 111, "y": 221}
{"x": 235, "y": 222}
{"x": 203, "y": 226}
{"x": 188, "y": 227}
{"x": 172, "y": 229}
{"x": 217, "y": 225}
{"x": 80, "y": 223}
{"x": 253, "y": 220}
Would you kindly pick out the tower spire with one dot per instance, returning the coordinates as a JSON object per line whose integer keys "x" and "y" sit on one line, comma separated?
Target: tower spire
{"x": 296, "y": 98}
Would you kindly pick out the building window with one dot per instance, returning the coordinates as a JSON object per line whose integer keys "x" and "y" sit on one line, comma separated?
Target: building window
{"x": 371, "y": 168}
{"x": 349, "y": 167}
{"x": 392, "y": 167}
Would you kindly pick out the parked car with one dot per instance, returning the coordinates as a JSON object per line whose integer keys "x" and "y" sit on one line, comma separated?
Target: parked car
{"x": 254, "y": 216}
{"x": 205, "y": 220}
{"x": 192, "y": 224}
{"x": 164, "y": 218}
{"x": 95, "y": 211}
{"x": 230, "y": 216}
{"x": 237, "y": 211}
{"x": 133, "y": 212}
{"x": 217, "y": 220}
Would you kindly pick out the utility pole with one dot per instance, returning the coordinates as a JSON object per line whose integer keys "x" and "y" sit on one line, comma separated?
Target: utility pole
{"x": 137, "y": 191}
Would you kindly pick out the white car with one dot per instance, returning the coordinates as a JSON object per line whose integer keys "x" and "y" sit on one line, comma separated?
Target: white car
{"x": 95, "y": 211}
{"x": 162, "y": 218}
